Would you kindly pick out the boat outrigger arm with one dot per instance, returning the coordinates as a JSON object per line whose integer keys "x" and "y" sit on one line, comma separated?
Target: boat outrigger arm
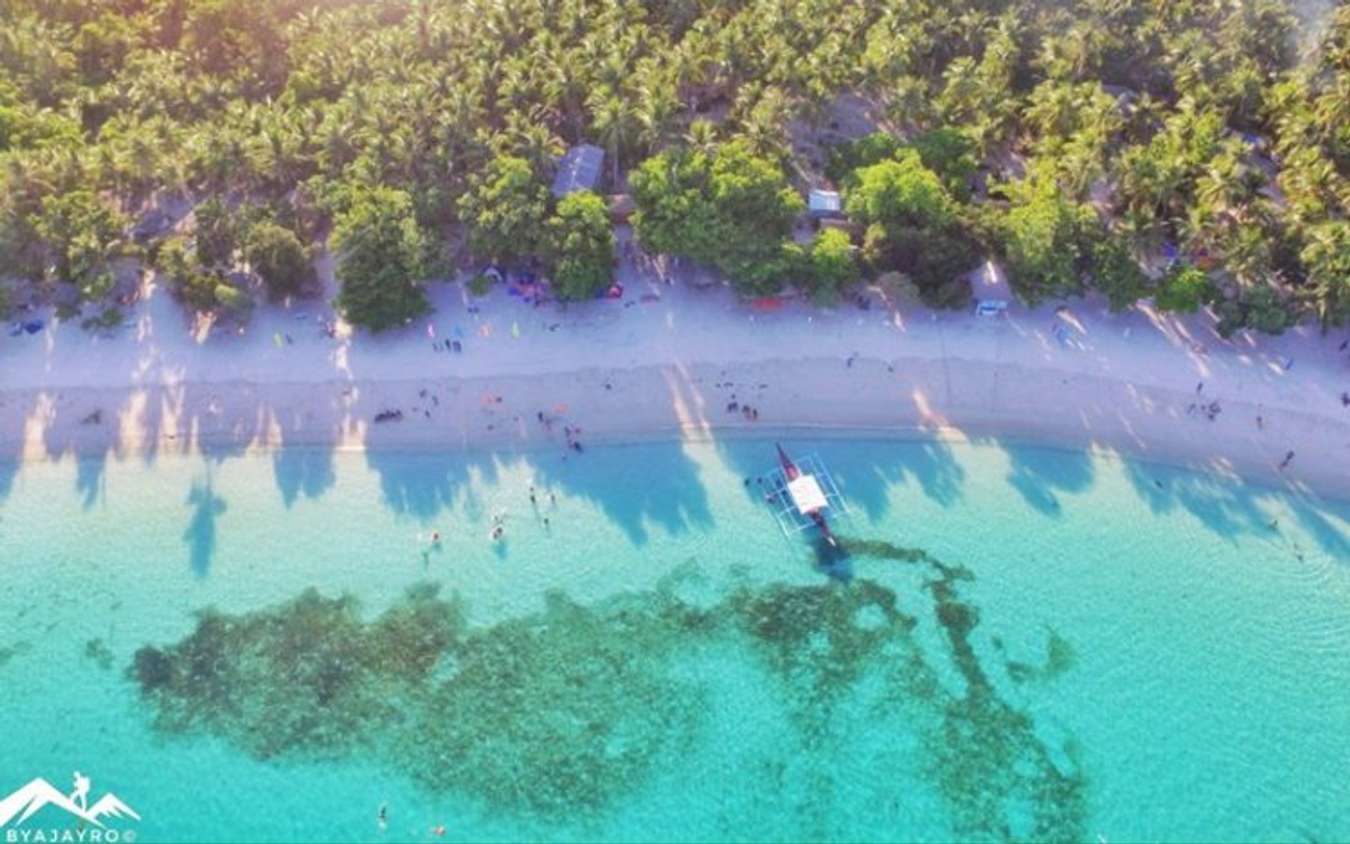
{"x": 806, "y": 495}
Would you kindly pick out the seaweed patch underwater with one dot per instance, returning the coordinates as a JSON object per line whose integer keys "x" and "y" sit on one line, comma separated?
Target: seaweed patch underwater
{"x": 566, "y": 711}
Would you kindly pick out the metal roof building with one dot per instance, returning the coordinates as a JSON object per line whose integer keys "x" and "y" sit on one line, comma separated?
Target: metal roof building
{"x": 578, "y": 169}
{"x": 824, "y": 203}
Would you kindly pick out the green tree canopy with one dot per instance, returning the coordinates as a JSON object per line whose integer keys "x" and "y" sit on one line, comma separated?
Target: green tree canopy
{"x": 506, "y": 209}
{"x": 1043, "y": 238}
{"x": 582, "y": 246}
{"x": 900, "y": 192}
{"x": 216, "y": 233}
{"x": 1183, "y": 290}
{"x": 81, "y": 232}
{"x": 1327, "y": 258}
{"x": 833, "y": 267}
{"x": 379, "y": 250}
{"x": 731, "y": 209}
{"x": 1115, "y": 272}
{"x": 279, "y": 258}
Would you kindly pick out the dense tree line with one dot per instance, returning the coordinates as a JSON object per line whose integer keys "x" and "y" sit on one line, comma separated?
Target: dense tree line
{"x": 1073, "y": 139}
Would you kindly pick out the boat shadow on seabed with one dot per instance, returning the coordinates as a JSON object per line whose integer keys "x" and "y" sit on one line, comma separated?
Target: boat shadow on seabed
{"x": 832, "y": 559}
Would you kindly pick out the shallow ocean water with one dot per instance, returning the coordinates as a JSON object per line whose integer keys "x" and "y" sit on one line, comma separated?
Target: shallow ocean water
{"x": 1024, "y": 643}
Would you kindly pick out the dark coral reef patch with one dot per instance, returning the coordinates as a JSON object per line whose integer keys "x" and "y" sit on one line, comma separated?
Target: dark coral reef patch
{"x": 567, "y": 710}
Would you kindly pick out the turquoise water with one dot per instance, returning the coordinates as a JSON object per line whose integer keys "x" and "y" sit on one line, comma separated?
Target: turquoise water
{"x": 1023, "y": 644}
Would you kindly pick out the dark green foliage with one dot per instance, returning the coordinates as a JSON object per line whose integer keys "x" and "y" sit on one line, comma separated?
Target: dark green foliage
{"x": 216, "y": 233}
{"x": 276, "y": 254}
{"x": 582, "y": 245}
{"x": 1259, "y": 308}
{"x": 480, "y": 284}
{"x": 1046, "y": 238}
{"x": 106, "y": 320}
{"x": 1115, "y": 272}
{"x": 81, "y": 233}
{"x": 936, "y": 261}
{"x": 1184, "y": 289}
{"x": 1327, "y": 260}
{"x": 833, "y": 267}
{"x": 1138, "y": 106}
{"x": 899, "y": 192}
{"x": 866, "y": 151}
{"x": 730, "y": 209}
{"x": 506, "y": 210}
{"x": 380, "y": 249}
{"x": 950, "y": 153}
{"x": 192, "y": 283}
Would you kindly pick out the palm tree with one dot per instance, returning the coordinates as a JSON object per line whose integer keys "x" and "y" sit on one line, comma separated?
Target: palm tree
{"x": 702, "y": 137}
{"x": 615, "y": 125}
{"x": 1327, "y": 257}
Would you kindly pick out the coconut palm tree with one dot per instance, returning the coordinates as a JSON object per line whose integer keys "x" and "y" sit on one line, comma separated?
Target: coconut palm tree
{"x": 616, "y": 125}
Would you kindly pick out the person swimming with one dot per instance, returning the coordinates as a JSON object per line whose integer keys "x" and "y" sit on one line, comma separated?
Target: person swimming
{"x": 382, "y": 818}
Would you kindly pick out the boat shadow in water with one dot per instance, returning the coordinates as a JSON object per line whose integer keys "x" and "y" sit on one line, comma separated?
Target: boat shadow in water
{"x": 832, "y": 559}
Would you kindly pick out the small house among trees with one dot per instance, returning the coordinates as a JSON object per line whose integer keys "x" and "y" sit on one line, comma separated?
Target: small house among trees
{"x": 578, "y": 169}
{"x": 824, "y": 204}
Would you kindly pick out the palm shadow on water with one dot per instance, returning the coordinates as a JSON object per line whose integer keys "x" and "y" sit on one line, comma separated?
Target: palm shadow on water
{"x": 8, "y": 469}
{"x": 200, "y": 535}
{"x": 423, "y": 484}
{"x": 303, "y": 470}
{"x": 1229, "y": 507}
{"x": 864, "y": 476}
{"x": 634, "y": 486}
{"x": 1038, "y": 474}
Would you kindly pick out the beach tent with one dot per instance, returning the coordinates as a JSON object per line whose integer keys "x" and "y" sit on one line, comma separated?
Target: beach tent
{"x": 578, "y": 169}
{"x": 821, "y": 204}
{"x": 990, "y": 288}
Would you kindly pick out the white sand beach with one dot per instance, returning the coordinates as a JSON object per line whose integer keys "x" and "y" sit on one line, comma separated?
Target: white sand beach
{"x": 675, "y": 361}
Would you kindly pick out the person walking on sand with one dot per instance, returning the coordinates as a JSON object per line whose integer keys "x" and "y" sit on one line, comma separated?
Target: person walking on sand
{"x": 1287, "y": 458}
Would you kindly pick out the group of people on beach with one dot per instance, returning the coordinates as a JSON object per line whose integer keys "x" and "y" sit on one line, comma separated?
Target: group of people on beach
{"x": 751, "y": 414}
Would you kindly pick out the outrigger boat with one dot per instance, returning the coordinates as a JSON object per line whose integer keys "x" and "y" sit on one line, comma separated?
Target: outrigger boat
{"x": 803, "y": 492}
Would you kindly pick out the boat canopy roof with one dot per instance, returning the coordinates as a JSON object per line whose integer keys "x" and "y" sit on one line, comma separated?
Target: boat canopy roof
{"x": 807, "y": 495}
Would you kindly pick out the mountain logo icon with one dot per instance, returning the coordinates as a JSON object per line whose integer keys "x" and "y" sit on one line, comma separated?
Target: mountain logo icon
{"x": 38, "y": 794}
